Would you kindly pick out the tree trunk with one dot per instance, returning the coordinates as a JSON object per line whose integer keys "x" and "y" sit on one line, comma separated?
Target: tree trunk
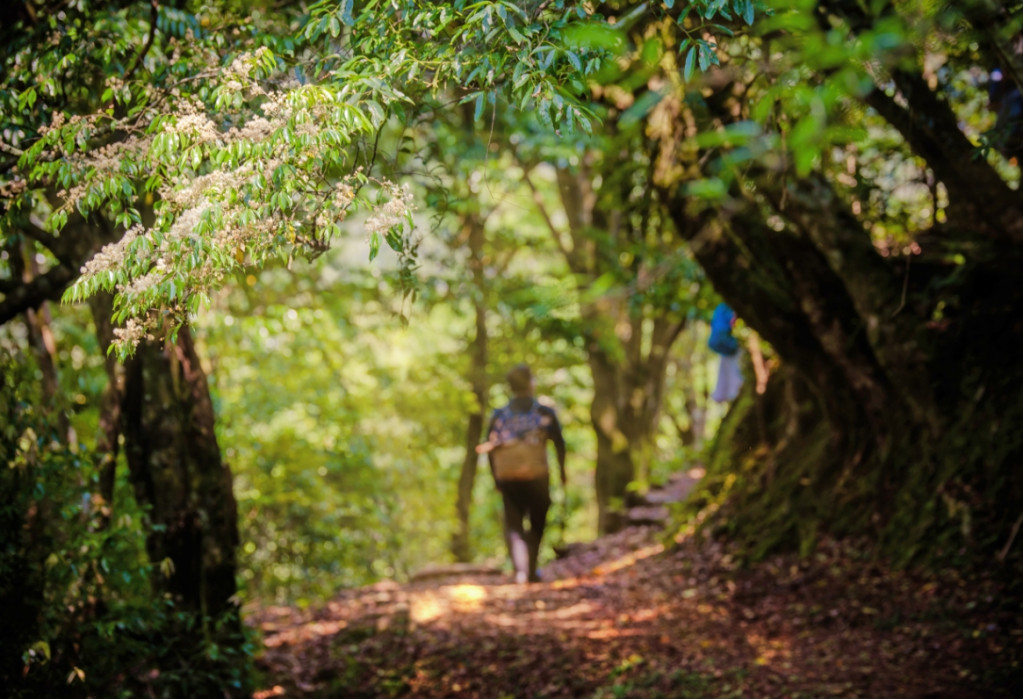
{"x": 108, "y": 440}
{"x": 461, "y": 543}
{"x": 625, "y": 411}
{"x": 22, "y": 548}
{"x": 176, "y": 470}
{"x": 893, "y": 366}
{"x": 628, "y": 336}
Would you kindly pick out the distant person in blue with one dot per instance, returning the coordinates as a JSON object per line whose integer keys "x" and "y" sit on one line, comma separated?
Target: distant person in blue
{"x": 723, "y": 343}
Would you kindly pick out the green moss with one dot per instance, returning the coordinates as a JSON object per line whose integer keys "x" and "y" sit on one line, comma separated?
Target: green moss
{"x": 779, "y": 476}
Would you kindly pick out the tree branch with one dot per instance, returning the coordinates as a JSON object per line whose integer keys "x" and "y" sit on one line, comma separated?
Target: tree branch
{"x": 930, "y": 128}
{"x": 47, "y": 287}
{"x": 990, "y": 20}
{"x": 541, "y": 207}
{"x": 44, "y": 238}
{"x": 819, "y": 213}
{"x": 154, "y": 13}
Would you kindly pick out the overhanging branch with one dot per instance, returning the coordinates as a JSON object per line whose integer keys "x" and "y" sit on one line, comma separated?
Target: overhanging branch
{"x": 47, "y": 287}
{"x": 930, "y": 128}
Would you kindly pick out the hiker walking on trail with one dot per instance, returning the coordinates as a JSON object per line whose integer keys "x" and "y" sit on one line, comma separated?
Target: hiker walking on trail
{"x": 517, "y": 449}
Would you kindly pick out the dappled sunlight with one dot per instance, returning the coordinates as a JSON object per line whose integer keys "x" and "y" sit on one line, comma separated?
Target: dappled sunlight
{"x": 685, "y": 624}
{"x": 628, "y": 559}
{"x": 305, "y": 632}
{"x": 614, "y": 633}
{"x": 426, "y": 608}
{"x": 468, "y": 598}
{"x": 429, "y": 605}
{"x": 769, "y": 651}
{"x": 575, "y": 610}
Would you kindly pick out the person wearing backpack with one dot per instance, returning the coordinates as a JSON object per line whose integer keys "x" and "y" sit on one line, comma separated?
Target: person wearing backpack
{"x": 516, "y": 447}
{"x": 724, "y": 344}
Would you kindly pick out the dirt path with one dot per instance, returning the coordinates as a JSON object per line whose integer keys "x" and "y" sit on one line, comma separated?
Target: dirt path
{"x": 622, "y": 617}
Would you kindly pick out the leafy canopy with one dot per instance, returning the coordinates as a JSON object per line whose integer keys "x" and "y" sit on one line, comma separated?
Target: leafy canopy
{"x": 219, "y": 144}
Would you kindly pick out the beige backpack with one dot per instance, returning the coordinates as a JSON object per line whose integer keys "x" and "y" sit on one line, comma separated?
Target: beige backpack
{"x": 519, "y": 444}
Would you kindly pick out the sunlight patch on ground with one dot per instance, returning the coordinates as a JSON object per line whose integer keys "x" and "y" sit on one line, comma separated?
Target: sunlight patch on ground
{"x": 577, "y": 609}
{"x": 607, "y": 634}
{"x": 467, "y": 598}
{"x": 648, "y": 614}
{"x": 426, "y": 608}
{"x": 508, "y": 621}
{"x": 305, "y": 632}
{"x": 769, "y": 651}
{"x": 430, "y": 605}
{"x": 628, "y": 560}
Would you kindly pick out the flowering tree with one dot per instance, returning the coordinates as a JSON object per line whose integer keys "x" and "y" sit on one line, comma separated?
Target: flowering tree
{"x": 151, "y": 153}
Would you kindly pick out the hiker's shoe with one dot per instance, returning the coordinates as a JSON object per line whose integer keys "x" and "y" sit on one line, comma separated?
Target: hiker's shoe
{"x": 536, "y": 577}
{"x": 521, "y": 577}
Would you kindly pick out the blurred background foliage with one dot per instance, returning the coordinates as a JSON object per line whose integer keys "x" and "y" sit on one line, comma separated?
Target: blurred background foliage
{"x": 344, "y": 426}
{"x": 584, "y": 182}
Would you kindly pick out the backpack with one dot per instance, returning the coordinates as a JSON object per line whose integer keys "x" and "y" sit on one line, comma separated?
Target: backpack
{"x": 723, "y": 343}
{"x": 521, "y": 450}
{"x": 721, "y": 339}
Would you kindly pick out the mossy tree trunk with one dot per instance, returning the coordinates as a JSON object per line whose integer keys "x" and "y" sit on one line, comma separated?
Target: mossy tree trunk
{"x": 899, "y": 367}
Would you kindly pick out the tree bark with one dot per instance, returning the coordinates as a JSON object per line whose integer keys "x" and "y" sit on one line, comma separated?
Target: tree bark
{"x": 628, "y": 339}
{"x": 108, "y": 440}
{"x": 176, "y": 470}
{"x": 889, "y": 362}
{"x": 461, "y": 544}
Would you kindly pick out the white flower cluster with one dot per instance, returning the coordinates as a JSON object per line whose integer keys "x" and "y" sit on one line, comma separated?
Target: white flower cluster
{"x": 255, "y": 129}
{"x": 56, "y": 122}
{"x": 192, "y": 121}
{"x": 335, "y": 207}
{"x": 240, "y": 75}
{"x": 211, "y": 186}
{"x": 394, "y": 213}
{"x": 93, "y": 167}
{"x": 184, "y": 224}
{"x": 112, "y": 255}
{"x": 9, "y": 189}
{"x": 133, "y": 332}
{"x": 252, "y": 221}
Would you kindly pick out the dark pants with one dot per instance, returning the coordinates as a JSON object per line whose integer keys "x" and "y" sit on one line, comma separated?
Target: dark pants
{"x": 525, "y": 499}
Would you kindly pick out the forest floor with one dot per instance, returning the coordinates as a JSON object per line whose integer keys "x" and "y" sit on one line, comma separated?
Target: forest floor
{"x": 628, "y": 616}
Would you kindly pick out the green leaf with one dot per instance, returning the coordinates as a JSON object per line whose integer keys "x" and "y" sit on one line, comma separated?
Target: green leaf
{"x": 376, "y": 112}
{"x": 747, "y": 11}
{"x": 374, "y": 245}
{"x": 346, "y": 12}
{"x": 707, "y": 56}
{"x": 708, "y": 189}
{"x": 574, "y": 60}
{"x": 690, "y": 63}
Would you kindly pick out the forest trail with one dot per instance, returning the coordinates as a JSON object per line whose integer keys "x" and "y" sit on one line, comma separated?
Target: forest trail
{"x": 624, "y": 616}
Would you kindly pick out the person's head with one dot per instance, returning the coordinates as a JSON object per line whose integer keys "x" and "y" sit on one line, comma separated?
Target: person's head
{"x": 520, "y": 380}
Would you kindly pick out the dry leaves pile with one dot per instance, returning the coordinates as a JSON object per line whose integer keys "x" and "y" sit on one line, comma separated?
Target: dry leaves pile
{"x": 623, "y": 618}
